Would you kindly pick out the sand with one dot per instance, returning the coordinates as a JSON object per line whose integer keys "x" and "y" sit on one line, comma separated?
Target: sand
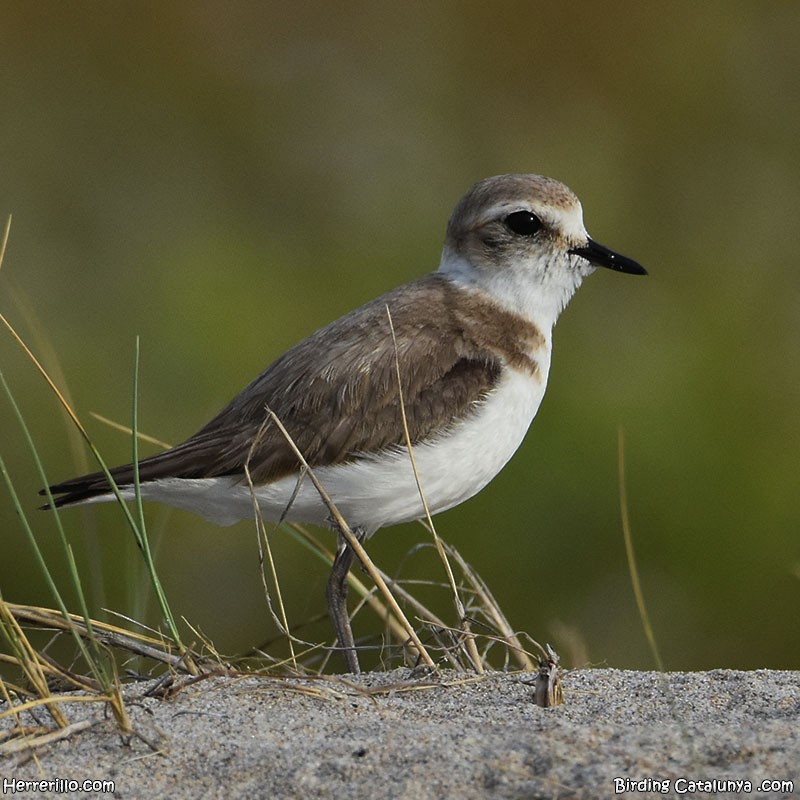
{"x": 395, "y": 736}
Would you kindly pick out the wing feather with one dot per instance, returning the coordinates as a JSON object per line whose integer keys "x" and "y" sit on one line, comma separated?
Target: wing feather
{"x": 336, "y": 392}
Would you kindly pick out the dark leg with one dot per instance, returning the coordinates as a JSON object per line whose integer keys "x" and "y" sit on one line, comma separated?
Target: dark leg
{"x": 337, "y": 601}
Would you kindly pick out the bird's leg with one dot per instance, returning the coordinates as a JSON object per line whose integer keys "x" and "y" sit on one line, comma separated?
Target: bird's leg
{"x": 337, "y": 600}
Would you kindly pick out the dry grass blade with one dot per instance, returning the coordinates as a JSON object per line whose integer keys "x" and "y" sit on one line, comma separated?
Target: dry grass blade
{"x": 118, "y": 426}
{"x": 396, "y": 630}
{"x": 138, "y": 529}
{"x": 49, "y": 701}
{"x": 493, "y": 612}
{"x": 357, "y": 547}
{"x": 633, "y": 569}
{"x": 424, "y": 615}
{"x": 6, "y": 234}
{"x": 159, "y": 650}
{"x": 261, "y": 530}
{"x": 470, "y": 641}
{"x": 43, "y": 372}
{"x": 28, "y": 660}
{"x": 28, "y": 743}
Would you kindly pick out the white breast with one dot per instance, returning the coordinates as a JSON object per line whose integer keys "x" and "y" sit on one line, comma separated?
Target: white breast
{"x": 374, "y": 492}
{"x": 451, "y": 469}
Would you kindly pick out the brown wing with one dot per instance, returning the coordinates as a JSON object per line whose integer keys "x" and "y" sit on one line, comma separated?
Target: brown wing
{"x": 336, "y": 392}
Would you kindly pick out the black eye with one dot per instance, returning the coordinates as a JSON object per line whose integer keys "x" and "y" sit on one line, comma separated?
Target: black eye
{"x": 523, "y": 223}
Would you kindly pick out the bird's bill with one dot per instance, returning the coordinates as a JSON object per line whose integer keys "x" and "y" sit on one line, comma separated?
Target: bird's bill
{"x": 601, "y": 256}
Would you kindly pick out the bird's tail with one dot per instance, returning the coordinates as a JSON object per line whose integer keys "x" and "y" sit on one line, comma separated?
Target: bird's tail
{"x": 183, "y": 461}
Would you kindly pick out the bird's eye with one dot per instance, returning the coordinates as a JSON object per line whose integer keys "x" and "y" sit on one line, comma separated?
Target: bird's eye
{"x": 523, "y": 223}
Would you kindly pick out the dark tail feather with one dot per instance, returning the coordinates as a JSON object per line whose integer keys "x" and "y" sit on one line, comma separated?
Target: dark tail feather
{"x": 85, "y": 487}
{"x": 188, "y": 460}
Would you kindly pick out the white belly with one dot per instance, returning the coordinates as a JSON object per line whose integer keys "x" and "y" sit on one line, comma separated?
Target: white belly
{"x": 374, "y": 492}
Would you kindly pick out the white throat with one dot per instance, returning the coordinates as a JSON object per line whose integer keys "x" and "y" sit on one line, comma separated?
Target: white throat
{"x": 540, "y": 301}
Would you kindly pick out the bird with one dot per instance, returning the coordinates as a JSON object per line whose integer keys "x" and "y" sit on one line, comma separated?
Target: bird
{"x": 467, "y": 348}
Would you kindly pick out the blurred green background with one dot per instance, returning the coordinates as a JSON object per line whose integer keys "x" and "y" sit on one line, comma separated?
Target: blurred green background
{"x": 222, "y": 179}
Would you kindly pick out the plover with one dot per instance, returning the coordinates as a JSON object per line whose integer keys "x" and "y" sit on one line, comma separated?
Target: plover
{"x": 472, "y": 344}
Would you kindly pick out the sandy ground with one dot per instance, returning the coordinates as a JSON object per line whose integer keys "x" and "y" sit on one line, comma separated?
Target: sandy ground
{"x": 388, "y": 735}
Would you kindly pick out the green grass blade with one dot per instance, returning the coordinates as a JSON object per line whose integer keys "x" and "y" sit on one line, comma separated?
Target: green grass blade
{"x": 139, "y": 526}
{"x": 95, "y": 659}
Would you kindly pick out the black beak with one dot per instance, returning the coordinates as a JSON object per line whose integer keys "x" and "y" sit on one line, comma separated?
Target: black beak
{"x": 603, "y": 257}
